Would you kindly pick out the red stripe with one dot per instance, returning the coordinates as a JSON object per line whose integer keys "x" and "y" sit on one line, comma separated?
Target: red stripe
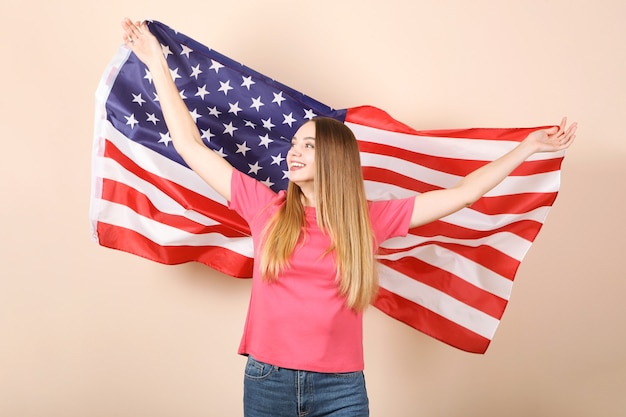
{"x": 430, "y": 323}
{"x": 450, "y": 284}
{"x": 483, "y": 255}
{"x": 526, "y": 229}
{"x": 217, "y": 257}
{"x": 379, "y": 119}
{"x": 184, "y": 196}
{"x": 511, "y": 204}
{"x": 454, "y": 166}
{"x": 120, "y": 193}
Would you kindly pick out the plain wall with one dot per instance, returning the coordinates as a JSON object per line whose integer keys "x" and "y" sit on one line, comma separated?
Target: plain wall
{"x": 88, "y": 331}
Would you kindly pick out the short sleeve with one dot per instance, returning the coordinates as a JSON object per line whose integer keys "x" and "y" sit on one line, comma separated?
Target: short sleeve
{"x": 391, "y": 218}
{"x": 248, "y": 196}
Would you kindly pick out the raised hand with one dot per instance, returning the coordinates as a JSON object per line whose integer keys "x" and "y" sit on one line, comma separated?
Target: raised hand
{"x": 553, "y": 139}
{"x": 142, "y": 42}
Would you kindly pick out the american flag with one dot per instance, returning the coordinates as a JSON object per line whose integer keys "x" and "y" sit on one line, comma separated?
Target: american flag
{"x": 450, "y": 279}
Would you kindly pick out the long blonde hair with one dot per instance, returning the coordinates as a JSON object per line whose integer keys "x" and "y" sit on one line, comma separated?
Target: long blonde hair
{"x": 342, "y": 212}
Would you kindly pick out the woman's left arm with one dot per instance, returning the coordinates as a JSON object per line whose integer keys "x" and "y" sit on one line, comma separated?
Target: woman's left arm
{"x": 433, "y": 205}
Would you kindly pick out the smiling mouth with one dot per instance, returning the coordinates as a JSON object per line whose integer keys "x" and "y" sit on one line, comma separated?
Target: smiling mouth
{"x": 296, "y": 165}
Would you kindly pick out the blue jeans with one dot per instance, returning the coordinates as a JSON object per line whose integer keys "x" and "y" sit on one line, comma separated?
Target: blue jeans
{"x": 270, "y": 391}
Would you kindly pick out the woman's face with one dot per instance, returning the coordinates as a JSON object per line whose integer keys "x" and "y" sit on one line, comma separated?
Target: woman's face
{"x": 301, "y": 156}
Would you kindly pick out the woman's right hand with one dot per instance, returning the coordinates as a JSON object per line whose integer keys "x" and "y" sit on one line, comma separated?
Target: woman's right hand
{"x": 142, "y": 42}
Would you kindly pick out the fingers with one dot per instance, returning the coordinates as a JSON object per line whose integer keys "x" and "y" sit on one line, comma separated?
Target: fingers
{"x": 132, "y": 31}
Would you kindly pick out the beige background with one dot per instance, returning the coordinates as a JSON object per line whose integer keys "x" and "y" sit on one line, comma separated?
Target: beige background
{"x": 87, "y": 331}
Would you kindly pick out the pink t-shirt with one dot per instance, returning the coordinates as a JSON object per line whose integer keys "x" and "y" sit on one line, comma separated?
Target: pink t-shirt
{"x": 300, "y": 321}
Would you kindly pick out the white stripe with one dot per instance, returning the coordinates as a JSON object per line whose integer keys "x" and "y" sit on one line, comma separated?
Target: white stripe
{"x": 157, "y": 164}
{"x": 466, "y": 217}
{"x": 165, "y": 235}
{"x": 536, "y": 183}
{"x": 438, "y": 302}
{"x": 474, "y": 149}
{"x": 112, "y": 170}
{"x": 505, "y": 242}
{"x": 460, "y": 266}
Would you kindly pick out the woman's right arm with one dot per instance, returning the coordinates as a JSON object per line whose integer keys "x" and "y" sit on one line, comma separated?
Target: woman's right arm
{"x": 211, "y": 167}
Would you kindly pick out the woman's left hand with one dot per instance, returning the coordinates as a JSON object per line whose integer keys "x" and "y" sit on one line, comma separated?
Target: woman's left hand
{"x": 554, "y": 139}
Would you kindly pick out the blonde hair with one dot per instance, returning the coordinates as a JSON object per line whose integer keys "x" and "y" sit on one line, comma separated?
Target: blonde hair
{"x": 342, "y": 212}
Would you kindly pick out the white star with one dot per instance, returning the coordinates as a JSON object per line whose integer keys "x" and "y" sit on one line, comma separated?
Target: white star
{"x": 195, "y": 71}
{"x": 194, "y": 115}
{"x": 165, "y": 138}
{"x": 256, "y": 103}
{"x": 175, "y": 75}
{"x": 148, "y": 76}
{"x": 265, "y": 140}
{"x": 278, "y": 98}
{"x": 254, "y": 169}
{"x": 285, "y": 175}
{"x": 186, "y": 51}
{"x": 308, "y": 114}
{"x": 166, "y": 50}
{"x": 130, "y": 120}
{"x": 234, "y": 108}
{"x": 288, "y": 119}
{"x": 276, "y": 160}
{"x": 206, "y": 134}
{"x": 137, "y": 99}
{"x": 216, "y": 66}
{"x": 213, "y": 111}
{"x": 182, "y": 94}
{"x": 242, "y": 149}
{"x": 267, "y": 182}
{"x": 202, "y": 91}
{"x": 225, "y": 87}
{"x": 229, "y": 128}
{"x": 247, "y": 82}
{"x": 152, "y": 118}
{"x": 221, "y": 153}
{"x": 156, "y": 97}
{"x": 268, "y": 123}
{"x": 248, "y": 123}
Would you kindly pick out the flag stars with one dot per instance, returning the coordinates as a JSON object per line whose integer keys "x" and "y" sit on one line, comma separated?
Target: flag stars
{"x": 152, "y": 118}
{"x": 247, "y": 82}
{"x": 138, "y": 99}
{"x": 268, "y": 183}
{"x": 254, "y": 168}
{"x": 175, "y": 74}
{"x": 165, "y": 138}
{"x": 213, "y": 111}
{"x": 309, "y": 114}
{"x": 194, "y": 115}
{"x": 257, "y": 103}
{"x": 265, "y": 140}
{"x": 148, "y": 76}
{"x": 288, "y": 119}
{"x": 202, "y": 92}
{"x": 130, "y": 120}
{"x": 225, "y": 87}
{"x": 216, "y": 66}
{"x": 230, "y": 129}
{"x": 221, "y": 152}
{"x": 195, "y": 71}
{"x": 166, "y": 50}
{"x": 249, "y": 124}
{"x": 277, "y": 160}
{"x": 206, "y": 134}
{"x": 234, "y": 108}
{"x": 186, "y": 50}
{"x": 242, "y": 148}
{"x": 267, "y": 123}
{"x": 278, "y": 98}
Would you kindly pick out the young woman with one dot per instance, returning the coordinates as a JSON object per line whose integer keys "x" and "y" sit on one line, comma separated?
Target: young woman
{"x": 314, "y": 270}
